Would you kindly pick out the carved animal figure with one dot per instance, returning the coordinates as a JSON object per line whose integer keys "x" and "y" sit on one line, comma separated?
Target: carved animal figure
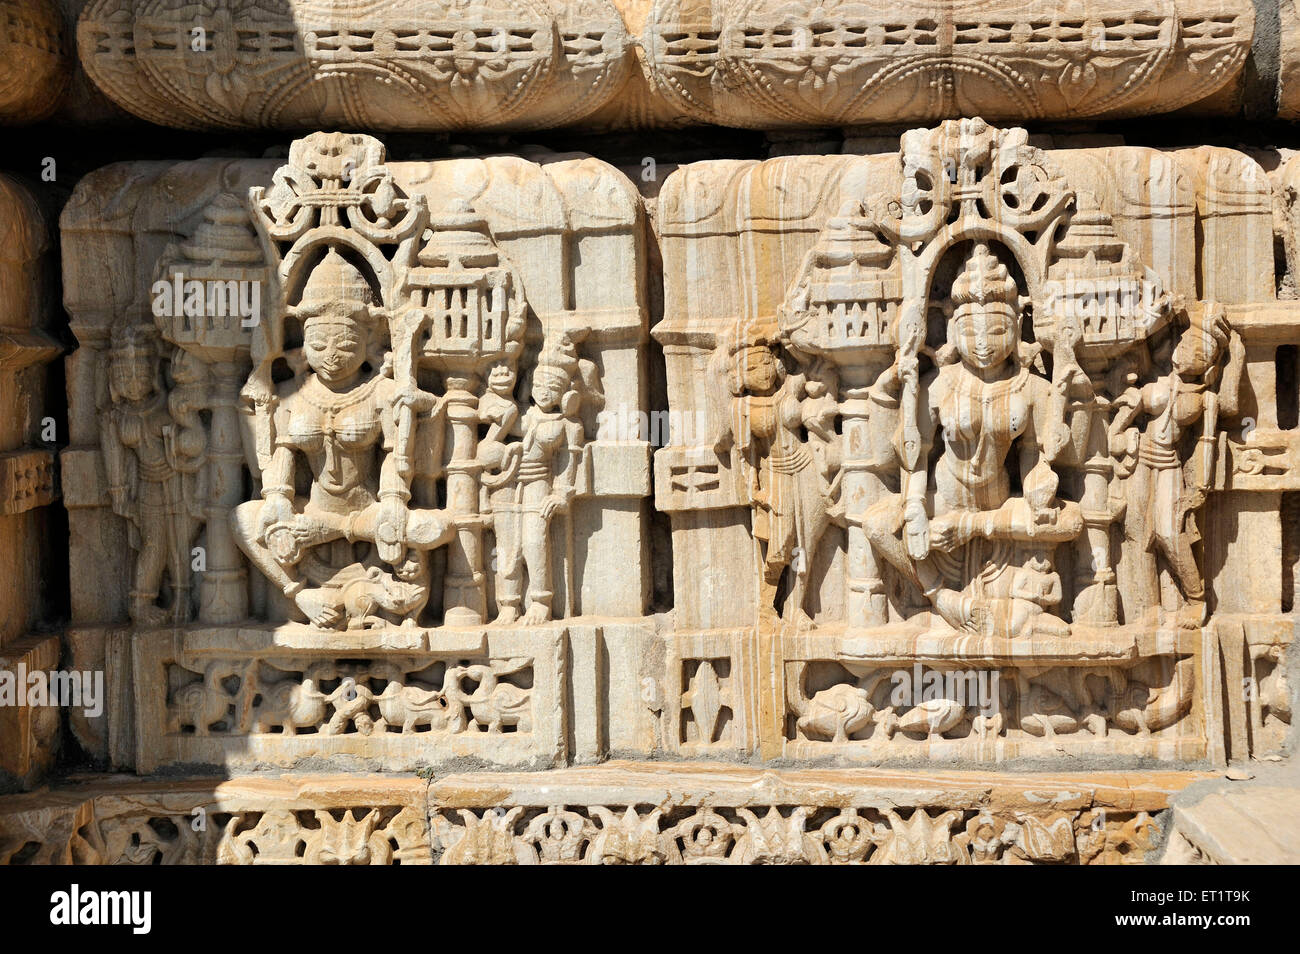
{"x": 411, "y": 706}
{"x": 290, "y": 705}
{"x": 836, "y": 713}
{"x": 202, "y": 704}
{"x": 493, "y": 703}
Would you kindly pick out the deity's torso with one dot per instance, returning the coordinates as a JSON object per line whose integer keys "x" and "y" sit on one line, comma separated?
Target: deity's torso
{"x": 773, "y": 422}
{"x": 545, "y": 432}
{"x": 979, "y": 420}
{"x": 337, "y": 433}
{"x": 1158, "y": 444}
{"x": 142, "y": 429}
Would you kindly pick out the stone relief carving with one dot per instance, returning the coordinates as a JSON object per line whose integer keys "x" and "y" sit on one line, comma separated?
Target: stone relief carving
{"x": 358, "y": 454}
{"x": 791, "y": 479}
{"x": 155, "y": 445}
{"x": 29, "y": 734}
{"x": 423, "y": 65}
{"x": 732, "y": 828}
{"x": 410, "y": 65}
{"x": 968, "y": 478}
{"x": 986, "y": 418}
{"x": 35, "y": 68}
{"x": 765, "y": 64}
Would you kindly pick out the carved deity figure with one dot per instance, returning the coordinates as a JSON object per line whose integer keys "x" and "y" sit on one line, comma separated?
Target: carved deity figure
{"x": 1163, "y": 492}
{"x": 534, "y": 477}
{"x": 791, "y": 476}
{"x": 342, "y": 417}
{"x": 154, "y": 446}
{"x": 981, "y": 555}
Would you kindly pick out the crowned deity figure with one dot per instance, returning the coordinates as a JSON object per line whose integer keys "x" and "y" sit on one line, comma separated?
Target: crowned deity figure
{"x": 343, "y": 415}
{"x": 155, "y": 446}
{"x": 982, "y": 556}
{"x": 782, "y": 427}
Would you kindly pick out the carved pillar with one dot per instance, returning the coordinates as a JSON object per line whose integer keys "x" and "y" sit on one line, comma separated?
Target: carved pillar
{"x": 465, "y": 599}
{"x": 224, "y": 259}
{"x": 223, "y": 590}
{"x": 862, "y": 487}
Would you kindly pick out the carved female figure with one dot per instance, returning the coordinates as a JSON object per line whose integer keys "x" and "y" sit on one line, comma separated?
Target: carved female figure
{"x": 789, "y": 489}
{"x": 342, "y": 417}
{"x": 965, "y": 542}
{"x": 1163, "y": 497}
{"x": 153, "y": 459}
{"x": 536, "y": 480}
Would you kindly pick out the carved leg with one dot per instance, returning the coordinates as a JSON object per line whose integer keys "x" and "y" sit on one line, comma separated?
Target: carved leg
{"x": 148, "y": 575}
{"x": 1142, "y": 588}
{"x": 537, "y": 557}
{"x": 1182, "y": 564}
{"x": 243, "y": 523}
{"x": 881, "y": 523}
{"x": 312, "y": 603}
{"x": 509, "y": 566}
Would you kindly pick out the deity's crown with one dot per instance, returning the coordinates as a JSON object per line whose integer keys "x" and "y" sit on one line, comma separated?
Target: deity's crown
{"x": 556, "y": 366}
{"x": 134, "y": 340}
{"x": 984, "y": 280}
{"x": 336, "y": 287}
{"x": 753, "y": 336}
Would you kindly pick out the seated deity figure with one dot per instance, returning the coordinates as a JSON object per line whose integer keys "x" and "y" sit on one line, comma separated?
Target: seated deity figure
{"x": 791, "y": 478}
{"x": 1163, "y": 494}
{"x": 154, "y": 450}
{"x": 980, "y": 555}
{"x": 341, "y": 415}
{"x": 534, "y": 477}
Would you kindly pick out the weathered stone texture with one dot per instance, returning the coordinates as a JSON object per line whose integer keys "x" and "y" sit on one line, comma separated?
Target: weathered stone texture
{"x": 462, "y": 506}
{"x": 432, "y": 64}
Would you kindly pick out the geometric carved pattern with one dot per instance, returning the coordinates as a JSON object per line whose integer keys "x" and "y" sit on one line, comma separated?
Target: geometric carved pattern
{"x": 432, "y": 64}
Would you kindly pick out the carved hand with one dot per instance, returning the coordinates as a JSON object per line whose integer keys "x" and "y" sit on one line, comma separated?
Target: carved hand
{"x": 948, "y": 532}
{"x": 553, "y": 503}
{"x": 417, "y": 400}
{"x": 390, "y": 533}
{"x": 276, "y": 509}
{"x": 916, "y": 530}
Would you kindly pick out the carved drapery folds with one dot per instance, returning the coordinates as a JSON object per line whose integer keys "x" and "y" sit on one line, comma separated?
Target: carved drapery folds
{"x": 492, "y": 64}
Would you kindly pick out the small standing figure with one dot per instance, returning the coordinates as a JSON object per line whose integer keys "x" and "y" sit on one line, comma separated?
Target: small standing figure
{"x": 536, "y": 477}
{"x": 154, "y": 449}
{"x": 1163, "y": 494}
{"x": 789, "y": 476}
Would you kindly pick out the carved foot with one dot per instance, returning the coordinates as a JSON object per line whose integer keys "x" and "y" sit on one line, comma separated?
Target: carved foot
{"x": 1192, "y": 616}
{"x": 507, "y": 615}
{"x": 323, "y": 613}
{"x": 1096, "y": 724}
{"x": 144, "y": 612}
{"x": 537, "y": 613}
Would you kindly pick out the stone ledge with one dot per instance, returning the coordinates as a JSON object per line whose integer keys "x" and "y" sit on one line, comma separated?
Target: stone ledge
{"x": 620, "y": 811}
{"x": 625, "y": 812}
